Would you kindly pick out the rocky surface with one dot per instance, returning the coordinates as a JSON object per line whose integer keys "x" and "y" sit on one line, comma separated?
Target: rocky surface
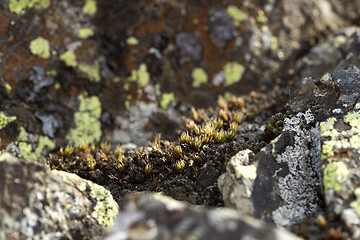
{"x": 256, "y": 102}
{"x": 159, "y": 217}
{"x": 37, "y": 203}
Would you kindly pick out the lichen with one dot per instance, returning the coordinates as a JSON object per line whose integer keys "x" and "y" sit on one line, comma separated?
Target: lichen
{"x": 87, "y": 125}
{"x": 5, "y": 120}
{"x": 335, "y": 174}
{"x": 233, "y": 72}
{"x": 261, "y": 18}
{"x": 166, "y": 98}
{"x": 236, "y": 14}
{"x": 274, "y": 43}
{"x": 106, "y": 208}
{"x": 132, "y": 41}
{"x": 141, "y": 75}
{"x": 92, "y": 70}
{"x": 17, "y": 6}
{"x": 356, "y": 204}
{"x": 40, "y": 47}
{"x": 69, "y": 59}
{"x": 89, "y": 7}
{"x": 7, "y": 87}
{"x": 85, "y": 33}
{"x": 199, "y": 77}
{"x": 246, "y": 172}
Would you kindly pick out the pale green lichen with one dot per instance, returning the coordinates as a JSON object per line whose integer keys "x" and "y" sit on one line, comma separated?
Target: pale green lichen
{"x": 69, "y": 59}
{"x": 7, "y": 88}
{"x": 326, "y": 130}
{"x": 17, "y": 6}
{"x": 4, "y": 156}
{"x": 5, "y": 120}
{"x": 141, "y": 75}
{"x": 92, "y": 70}
{"x": 26, "y": 147}
{"x": 233, "y": 72}
{"x": 246, "y": 172}
{"x": 274, "y": 43}
{"x": 335, "y": 174}
{"x": 40, "y": 47}
{"x": 87, "y": 125}
{"x": 106, "y": 209}
{"x": 236, "y": 14}
{"x": 356, "y": 204}
{"x": 89, "y": 7}
{"x": 166, "y": 98}
{"x": 85, "y": 33}
{"x": 199, "y": 77}
{"x": 261, "y": 18}
{"x": 132, "y": 41}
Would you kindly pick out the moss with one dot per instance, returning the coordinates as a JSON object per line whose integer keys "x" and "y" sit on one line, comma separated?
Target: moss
{"x": 261, "y": 18}
{"x": 141, "y": 75}
{"x": 87, "y": 125}
{"x": 5, "y": 120}
{"x": 106, "y": 209}
{"x": 199, "y": 77}
{"x": 237, "y": 14}
{"x": 93, "y": 71}
{"x": 166, "y": 98}
{"x": 40, "y": 47}
{"x": 356, "y": 204}
{"x": 89, "y": 7}
{"x": 132, "y": 41}
{"x": 85, "y": 33}
{"x": 233, "y": 72}
{"x": 273, "y": 128}
{"x": 335, "y": 174}
{"x": 69, "y": 59}
{"x": 17, "y": 6}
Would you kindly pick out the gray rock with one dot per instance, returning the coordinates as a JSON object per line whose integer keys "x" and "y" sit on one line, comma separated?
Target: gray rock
{"x": 155, "y": 216}
{"x": 37, "y": 203}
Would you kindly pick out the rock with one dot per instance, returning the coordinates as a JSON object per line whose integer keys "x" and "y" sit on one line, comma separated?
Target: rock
{"x": 37, "y": 203}
{"x": 159, "y": 217}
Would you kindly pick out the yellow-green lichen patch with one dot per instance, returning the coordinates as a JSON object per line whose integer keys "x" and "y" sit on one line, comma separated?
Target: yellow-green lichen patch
{"x": 92, "y": 70}
{"x": 69, "y": 59}
{"x": 233, "y": 72}
{"x": 246, "y": 172}
{"x": 40, "y": 47}
{"x": 353, "y": 119}
{"x": 141, "y": 75}
{"x": 261, "y": 18}
{"x": 17, "y": 6}
{"x": 166, "y": 98}
{"x": 236, "y": 14}
{"x": 132, "y": 41}
{"x": 274, "y": 43}
{"x": 5, "y": 120}
{"x": 7, "y": 88}
{"x": 106, "y": 209}
{"x": 356, "y": 204}
{"x": 87, "y": 125}
{"x": 44, "y": 141}
{"x": 326, "y": 130}
{"x": 199, "y": 77}
{"x": 89, "y": 7}
{"x": 335, "y": 174}
{"x": 4, "y": 156}
{"x": 85, "y": 33}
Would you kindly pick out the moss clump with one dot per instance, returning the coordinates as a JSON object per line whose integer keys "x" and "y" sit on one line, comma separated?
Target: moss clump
{"x": 199, "y": 77}
{"x": 87, "y": 125}
{"x": 40, "y": 47}
{"x": 17, "y": 6}
{"x": 233, "y": 72}
{"x": 273, "y": 128}
{"x": 69, "y": 59}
